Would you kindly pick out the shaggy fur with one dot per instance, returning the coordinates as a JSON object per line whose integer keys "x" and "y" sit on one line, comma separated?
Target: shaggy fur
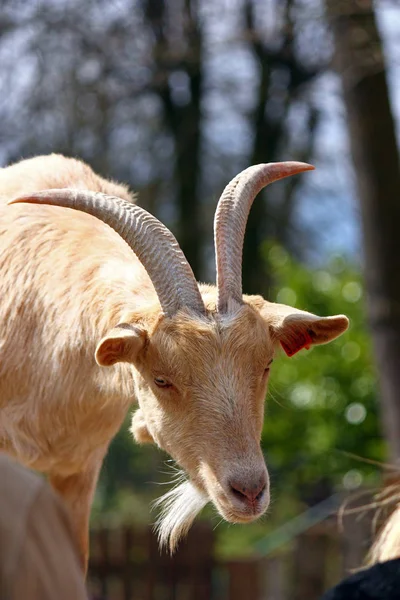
{"x": 179, "y": 508}
{"x": 83, "y": 338}
{"x": 387, "y": 544}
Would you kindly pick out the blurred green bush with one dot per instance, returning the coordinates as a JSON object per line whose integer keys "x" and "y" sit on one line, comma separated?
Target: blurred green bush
{"x": 322, "y": 406}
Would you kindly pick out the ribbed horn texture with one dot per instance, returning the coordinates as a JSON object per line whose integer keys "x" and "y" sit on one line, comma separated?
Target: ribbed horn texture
{"x": 154, "y": 245}
{"x": 230, "y": 224}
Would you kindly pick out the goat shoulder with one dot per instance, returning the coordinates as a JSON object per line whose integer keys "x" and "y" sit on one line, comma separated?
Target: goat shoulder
{"x": 81, "y": 275}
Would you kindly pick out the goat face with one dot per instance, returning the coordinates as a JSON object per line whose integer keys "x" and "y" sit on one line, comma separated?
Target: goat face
{"x": 201, "y": 388}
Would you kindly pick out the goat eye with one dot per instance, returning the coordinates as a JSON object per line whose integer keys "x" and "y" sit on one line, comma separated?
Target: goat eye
{"x": 161, "y": 382}
{"x": 268, "y": 367}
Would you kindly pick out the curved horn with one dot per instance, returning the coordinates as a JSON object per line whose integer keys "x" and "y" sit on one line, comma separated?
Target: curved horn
{"x": 230, "y": 223}
{"x": 154, "y": 245}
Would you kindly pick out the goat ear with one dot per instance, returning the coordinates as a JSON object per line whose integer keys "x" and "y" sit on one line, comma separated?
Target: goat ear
{"x": 297, "y": 329}
{"x": 121, "y": 344}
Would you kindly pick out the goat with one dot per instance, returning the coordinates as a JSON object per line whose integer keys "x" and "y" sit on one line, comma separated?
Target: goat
{"x": 116, "y": 292}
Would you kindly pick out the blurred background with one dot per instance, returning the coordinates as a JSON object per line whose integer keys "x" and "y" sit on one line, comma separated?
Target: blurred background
{"x": 175, "y": 98}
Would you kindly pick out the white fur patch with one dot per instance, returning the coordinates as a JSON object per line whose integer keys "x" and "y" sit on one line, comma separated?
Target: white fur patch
{"x": 179, "y": 507}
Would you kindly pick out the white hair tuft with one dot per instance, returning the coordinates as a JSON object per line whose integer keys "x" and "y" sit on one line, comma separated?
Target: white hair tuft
{"x": 179, "y": 507}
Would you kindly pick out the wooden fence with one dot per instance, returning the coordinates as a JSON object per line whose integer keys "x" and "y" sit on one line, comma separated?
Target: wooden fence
{"x": 126, "y": 565}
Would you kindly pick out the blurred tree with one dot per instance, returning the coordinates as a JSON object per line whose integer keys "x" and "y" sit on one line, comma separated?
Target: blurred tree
{"x": 177, "y": 53}
{"x": 169, "y": 98}
{"x": 283, "y": 75}
{"x": 361, "y": 62}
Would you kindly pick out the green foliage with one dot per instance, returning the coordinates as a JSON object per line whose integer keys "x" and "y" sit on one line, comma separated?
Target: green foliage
{"x": 322, "y": 403}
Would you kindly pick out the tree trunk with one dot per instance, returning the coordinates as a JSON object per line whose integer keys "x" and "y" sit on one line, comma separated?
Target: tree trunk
{"x": 183, "y": 119}
{"x": 375, "y": 154}
{"x": 267, "y": 220}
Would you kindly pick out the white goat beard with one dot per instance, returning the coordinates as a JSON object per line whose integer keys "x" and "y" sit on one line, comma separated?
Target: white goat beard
{"x": 179, "y": 507}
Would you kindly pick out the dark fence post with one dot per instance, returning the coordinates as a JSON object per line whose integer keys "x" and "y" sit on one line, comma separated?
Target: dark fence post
{"x": 310, "y": 563}
{"x": 126, "y": 564}
{"x": 244, "y": 579}
{"x": 357, "y": 538}
{"x": 274, "y": 578}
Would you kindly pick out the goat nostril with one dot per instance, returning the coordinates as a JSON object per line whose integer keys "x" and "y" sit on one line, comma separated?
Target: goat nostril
{"x": 261, "y": 492}
{"x": 245, "y": 494}
{"x": 240, "y": 494}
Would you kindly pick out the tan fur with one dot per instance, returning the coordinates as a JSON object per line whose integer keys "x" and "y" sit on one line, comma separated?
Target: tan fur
{"x": 68, "y": 281}
{"x": 387, "y": 544}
